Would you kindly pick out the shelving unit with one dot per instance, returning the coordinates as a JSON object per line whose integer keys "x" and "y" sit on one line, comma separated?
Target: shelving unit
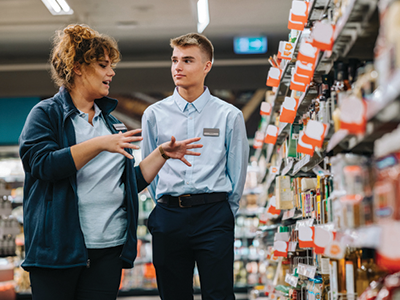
{"x": 354, "y": 38}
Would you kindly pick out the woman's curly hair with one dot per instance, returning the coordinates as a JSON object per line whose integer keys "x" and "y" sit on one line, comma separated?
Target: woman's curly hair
{"x": 79, "y": 43}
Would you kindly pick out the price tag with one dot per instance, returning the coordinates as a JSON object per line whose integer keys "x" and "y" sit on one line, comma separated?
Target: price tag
{"x": 292, "y": 280}
{"x": 304, "y": 223}
{"x": 306, "y": 270}
{"x": 289, "y": 214}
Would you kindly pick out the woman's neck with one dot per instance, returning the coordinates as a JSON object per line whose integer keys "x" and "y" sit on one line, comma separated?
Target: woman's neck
{"x": 81, "y": 102}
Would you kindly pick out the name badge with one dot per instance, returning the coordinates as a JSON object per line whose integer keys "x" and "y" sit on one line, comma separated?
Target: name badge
{"x": 211, "y": 132}
{"x": 120, "y": 127}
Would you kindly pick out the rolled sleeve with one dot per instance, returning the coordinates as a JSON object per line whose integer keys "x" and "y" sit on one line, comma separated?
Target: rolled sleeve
{"x": 140, "y": 181}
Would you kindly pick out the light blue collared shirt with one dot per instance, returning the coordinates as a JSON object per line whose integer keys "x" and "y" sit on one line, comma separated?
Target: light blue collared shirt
{"x": 222, "y": 165}
{"x": 101, "y": 192}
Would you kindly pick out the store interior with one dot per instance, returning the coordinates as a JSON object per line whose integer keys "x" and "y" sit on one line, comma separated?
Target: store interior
{"x": 318, "y": 83}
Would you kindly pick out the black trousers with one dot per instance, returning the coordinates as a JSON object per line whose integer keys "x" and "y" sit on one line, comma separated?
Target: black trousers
{"x": 98, "y": 282}
{"x": 182, "y": 236}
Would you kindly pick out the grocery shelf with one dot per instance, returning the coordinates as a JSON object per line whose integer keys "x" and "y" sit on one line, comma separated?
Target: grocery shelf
{"x": 316, "y": 9}
{"x": 382, "y": 116}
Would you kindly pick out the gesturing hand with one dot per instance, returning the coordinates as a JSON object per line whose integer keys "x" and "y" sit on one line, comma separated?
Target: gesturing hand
{"x": 117, "y": 143}
{"x": 178, "y": 149}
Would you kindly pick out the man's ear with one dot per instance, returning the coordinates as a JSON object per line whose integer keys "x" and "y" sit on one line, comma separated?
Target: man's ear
{"x": 77, "y": 68}
{"x": 208, "y": 66}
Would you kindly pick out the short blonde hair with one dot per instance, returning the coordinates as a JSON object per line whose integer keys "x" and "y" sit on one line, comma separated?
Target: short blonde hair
{"x": 79, "y": 43}
{"x": 195, "y": 39}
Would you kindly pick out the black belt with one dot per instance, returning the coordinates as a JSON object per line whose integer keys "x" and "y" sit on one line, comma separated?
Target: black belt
{"x": 193, "y": 199}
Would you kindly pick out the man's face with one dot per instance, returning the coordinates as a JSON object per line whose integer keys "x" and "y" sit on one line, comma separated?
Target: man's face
{"x": 189, "y": 66}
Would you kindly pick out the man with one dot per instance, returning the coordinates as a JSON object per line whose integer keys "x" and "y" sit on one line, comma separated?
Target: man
{"x": 193, "y": 220}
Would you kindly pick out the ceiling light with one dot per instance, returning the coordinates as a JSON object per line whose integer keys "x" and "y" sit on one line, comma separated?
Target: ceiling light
{"x": 203, "y": 17}
{"x": 58, "y": 7}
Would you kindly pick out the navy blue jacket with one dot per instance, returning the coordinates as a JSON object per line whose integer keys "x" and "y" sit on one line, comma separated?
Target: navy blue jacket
{"x": 53, "y": 236}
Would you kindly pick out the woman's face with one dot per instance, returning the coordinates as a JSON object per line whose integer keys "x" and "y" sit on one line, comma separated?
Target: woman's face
{"x": 97, "y": 77}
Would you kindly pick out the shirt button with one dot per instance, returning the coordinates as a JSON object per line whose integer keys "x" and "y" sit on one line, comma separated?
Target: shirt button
{"x": 187, "y": 182}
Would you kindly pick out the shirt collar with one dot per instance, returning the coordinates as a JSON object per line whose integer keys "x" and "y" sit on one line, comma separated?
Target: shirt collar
{"x": 198, "y": 104}
{"x": 97, "y": 111}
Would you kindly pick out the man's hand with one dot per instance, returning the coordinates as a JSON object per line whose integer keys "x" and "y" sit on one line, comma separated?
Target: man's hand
{"x": 178, "y": 149}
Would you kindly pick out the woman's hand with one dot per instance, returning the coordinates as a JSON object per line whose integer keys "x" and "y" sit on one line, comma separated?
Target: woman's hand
{"x": 116, "y": 143}
{"x": 178, "y": 149}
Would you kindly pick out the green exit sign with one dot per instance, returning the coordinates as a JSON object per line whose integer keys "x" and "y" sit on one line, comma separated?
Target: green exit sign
{"x": 250, "y": 45}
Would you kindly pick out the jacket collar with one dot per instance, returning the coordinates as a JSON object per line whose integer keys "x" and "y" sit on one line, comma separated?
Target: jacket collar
{"x": 106, "y": 104}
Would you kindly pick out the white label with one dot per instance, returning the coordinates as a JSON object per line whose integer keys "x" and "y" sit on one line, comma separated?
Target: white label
{"x": 306, "y": 270}
{"x": 333, "y": 279}
{"x": 325, "y": 266}
{"x": 350, "y": 280}
{"x": 292, "y": 280}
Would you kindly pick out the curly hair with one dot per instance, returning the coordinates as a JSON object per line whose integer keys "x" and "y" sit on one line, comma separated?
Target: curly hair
{"x": 194, "y": 39}
{"x": 79, "y": 43}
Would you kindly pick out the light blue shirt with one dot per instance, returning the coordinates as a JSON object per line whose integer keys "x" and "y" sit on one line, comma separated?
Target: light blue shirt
{"x": 101, "y": 192}
{"x": 222, "y": 165}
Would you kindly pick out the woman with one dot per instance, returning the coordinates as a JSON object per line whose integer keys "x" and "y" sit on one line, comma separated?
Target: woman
{"x": 80, "y": 192}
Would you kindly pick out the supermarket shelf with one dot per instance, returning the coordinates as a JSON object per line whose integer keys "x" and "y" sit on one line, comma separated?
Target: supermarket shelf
{"x": 355, "y": 31}
{"x": 316, "y": 9}
{"x": 382, "y": 113}
{"x": 283, "y": 87}
{"x": 307, "y": 163}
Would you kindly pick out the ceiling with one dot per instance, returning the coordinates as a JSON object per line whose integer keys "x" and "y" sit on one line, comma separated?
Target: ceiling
{"x": 143, "y": 29}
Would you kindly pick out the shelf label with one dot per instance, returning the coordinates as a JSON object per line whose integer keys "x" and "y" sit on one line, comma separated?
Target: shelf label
{"x": 306, "y": 270}
{"x": 304, "y": 223}
{"x": 307, "y": 53}
{"x": 292, "y": 280}
{"x": 293, "y": 24}
{"x": 285, "y": 50}
{"x": 288, "y": 110}
{"x": 322, "y": 36}
{"x": 281, "y": 248}
{"x": 265, "y": 108}
{"x": 289, "y": 214}
{"x": 314, "y": 133}
{"x": 303, "y": 146}
{"x": 306, "y": 237}
{"x": 300, "y": 11}
{"x": 272, "y": 135}
{"x": 274, "y": 77}
{"x": 353, "y": 117}
{"x": 305, "y": 68}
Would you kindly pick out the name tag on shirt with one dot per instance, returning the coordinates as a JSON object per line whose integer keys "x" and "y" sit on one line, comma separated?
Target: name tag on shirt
{"x": 120, "y": 127}
{"x": 211, "y": 132}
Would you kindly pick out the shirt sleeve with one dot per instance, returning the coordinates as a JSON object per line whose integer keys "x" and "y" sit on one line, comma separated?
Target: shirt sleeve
{"x": 237, "y": 159}
{"x": 149, "y": 143}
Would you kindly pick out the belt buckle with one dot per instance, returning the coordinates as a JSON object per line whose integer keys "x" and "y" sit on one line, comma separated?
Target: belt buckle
{"x": 180, "y": 200}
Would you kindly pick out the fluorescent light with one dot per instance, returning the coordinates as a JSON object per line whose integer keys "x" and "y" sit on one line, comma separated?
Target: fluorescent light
{"x": 64, "y": 5}
{"x": 59, "y": 7}
{"x": 203, "y": 17}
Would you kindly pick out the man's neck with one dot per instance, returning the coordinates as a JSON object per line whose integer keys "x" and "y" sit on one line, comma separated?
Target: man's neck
{"x": 191, "y": 94}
